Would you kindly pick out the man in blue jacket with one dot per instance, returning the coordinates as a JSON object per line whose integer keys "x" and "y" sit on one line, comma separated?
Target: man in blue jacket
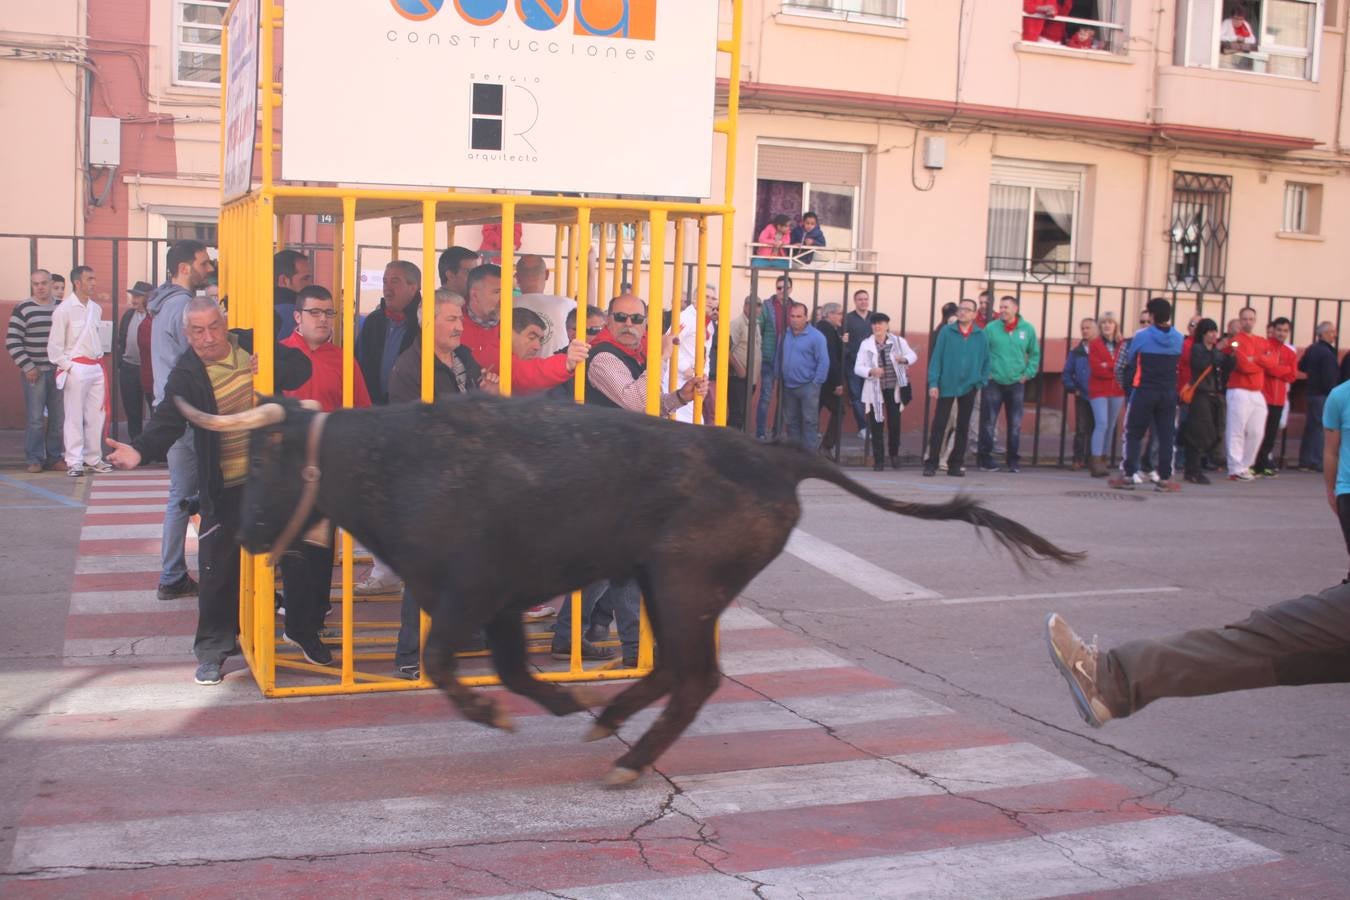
{"x": 1076, "y": 375}
{"x": 1154, "y": 400}
{"x": 803, "y": 364}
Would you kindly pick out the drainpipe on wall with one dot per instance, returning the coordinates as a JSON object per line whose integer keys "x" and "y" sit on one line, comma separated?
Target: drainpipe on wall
{"x": 1155, "y": 115}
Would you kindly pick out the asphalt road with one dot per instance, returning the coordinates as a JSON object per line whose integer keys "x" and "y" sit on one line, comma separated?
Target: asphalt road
{"x": 1269, "y": 765}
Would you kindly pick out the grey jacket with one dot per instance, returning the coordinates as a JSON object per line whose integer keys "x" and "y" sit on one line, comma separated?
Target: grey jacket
{"x": 167, "y": 340}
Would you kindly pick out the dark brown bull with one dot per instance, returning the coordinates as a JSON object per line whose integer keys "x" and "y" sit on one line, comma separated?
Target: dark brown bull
{"x": 486, "y": 507}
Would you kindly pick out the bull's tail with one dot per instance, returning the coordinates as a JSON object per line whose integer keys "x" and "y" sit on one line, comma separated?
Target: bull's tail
{"x": 1020, "y": 540}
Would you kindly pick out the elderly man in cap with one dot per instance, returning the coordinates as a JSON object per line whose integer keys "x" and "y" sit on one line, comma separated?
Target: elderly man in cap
{"x": 134, "y": 399}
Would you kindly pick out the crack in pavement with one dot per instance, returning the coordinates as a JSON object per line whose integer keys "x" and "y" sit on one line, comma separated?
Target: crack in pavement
{"x": 1012, "y": 815}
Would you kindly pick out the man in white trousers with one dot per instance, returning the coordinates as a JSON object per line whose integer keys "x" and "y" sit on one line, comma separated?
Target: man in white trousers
{"x": 1246, "y": 423}
{"x": 75, "y": 349}
{"x": 689, "y": 344}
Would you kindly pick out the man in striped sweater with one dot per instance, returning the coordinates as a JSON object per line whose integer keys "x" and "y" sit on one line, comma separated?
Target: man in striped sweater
{"x": 29, "y": 326}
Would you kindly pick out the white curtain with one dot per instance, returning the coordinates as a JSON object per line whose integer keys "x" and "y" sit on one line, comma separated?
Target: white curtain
{"x": 1009, "y": 213}
{"x": 1059, "y": 206}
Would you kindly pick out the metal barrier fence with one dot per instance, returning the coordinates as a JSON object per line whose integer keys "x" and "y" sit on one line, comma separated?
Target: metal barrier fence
{"x": 913, "y": 302}
{"x": 118, "y": 262}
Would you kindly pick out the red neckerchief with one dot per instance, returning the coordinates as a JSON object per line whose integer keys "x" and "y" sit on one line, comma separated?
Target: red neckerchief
{"x": 1242, "y": 31}
{"x": 607, "y": 337}
{"x": 395, "y": 317}
{"x": 965, "y": 332}
{"x": 1011, "y": 327}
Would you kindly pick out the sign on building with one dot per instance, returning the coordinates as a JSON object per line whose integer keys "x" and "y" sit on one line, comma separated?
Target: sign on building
{"x": 241, "y": 99}
{"x": 601, "y": 96}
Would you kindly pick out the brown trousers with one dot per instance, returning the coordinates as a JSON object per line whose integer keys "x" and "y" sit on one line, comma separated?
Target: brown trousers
{"x": 1301, "y": 641}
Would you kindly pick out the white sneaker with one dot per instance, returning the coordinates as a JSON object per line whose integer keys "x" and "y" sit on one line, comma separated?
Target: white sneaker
{"x": 1137, "y": 478}
{"x": 75, "y": 471}
{"x": 1152, "y": 476}
{"x": 102, "y": 467}
{"x": 862, "y": 434}
{"x": 389, "y": 584}
{"x": 542, "y": 611}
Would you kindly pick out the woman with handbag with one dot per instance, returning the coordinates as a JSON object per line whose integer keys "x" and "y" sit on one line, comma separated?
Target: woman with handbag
{"x": 1203, "y": 434}
{"x": 1105, "y": 395}
{"x": 884, "y": 362}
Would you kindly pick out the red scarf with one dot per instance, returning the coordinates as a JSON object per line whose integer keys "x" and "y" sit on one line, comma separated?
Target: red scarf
{"x": 1010, "y": 327}
{"x": 1242, "y": 30}
{"x": 395, "y": 317}
{"x": 607, "y": 337}
{"x": 965, "y": 332}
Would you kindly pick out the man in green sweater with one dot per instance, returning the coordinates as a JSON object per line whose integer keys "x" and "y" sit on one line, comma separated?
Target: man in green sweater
{"x": 1014, "y": 358}
{"x": 959, "y": 367}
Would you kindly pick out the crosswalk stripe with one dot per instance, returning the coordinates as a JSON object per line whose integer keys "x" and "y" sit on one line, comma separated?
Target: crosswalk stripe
{"x": 1101, "y": 858}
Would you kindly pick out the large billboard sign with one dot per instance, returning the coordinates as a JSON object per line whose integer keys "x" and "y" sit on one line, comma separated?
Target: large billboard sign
{"x": 597, "y": 96}
{"x": 241, "y": 99}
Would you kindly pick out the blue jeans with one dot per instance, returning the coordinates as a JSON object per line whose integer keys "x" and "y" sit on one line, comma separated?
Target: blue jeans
{"x": 182, "y": 488}
{"x": 603, "y": 602}
{"x": 1105, "y": 412}
{"x": 42, "y": 444}
{"x": 855, "y": 386}
{"x": 767, "y": 379}
{"x": 996, "y": 396}
{"x": 1310, "y": 449}
{"x": 801, "y": 412}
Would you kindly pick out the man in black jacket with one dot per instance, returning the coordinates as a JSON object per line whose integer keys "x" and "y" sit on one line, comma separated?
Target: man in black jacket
{"x": 1319, "y": 362}
{"x": 215, "y": 376}
{"x": 832, "y": 391}
{"x": 856, "y": 331}
{"x": 391, "y": 328}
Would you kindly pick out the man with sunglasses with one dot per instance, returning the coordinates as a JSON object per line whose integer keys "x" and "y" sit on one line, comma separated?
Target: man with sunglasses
{"x": 616, "y": 376}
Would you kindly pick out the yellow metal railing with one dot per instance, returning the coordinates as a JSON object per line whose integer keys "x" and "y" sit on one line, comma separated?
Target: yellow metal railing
{"x": 249, "y": 230}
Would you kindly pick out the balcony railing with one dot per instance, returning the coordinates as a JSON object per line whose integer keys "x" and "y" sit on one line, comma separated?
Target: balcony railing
{"x": 1044, "y": 271}
{"x": 819, "y": 259}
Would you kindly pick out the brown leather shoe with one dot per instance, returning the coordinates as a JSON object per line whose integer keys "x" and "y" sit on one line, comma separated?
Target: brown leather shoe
{"x": 33, "y": 468}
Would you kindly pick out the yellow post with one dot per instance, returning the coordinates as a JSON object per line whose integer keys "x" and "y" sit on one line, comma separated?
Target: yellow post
{"x": 637, "y": 257}
{"x": 676, "y": 295}
{"x": 428, "y": 299}
{"x": 256, "y": 277}
{"x": 617, "y": 286}
{"x": 574, "y": 261}
{"x": 701, "y": 314}
{"x": 579, "y": 394}
{"x": 729, "y": 127}
{"x": 508, "y": 277}
{"x": 658, "y": 276}
{"x": 271, "y": 17}
{"x": 600, "y": 270}
{"x": 558, "y": 260}
{"x": 349, "y": 301}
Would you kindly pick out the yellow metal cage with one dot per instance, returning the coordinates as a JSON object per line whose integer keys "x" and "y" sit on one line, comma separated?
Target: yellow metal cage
{"x": 249, "y": 229}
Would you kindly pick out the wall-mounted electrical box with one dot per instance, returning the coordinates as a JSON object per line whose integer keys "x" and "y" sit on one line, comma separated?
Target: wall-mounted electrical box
{"x": 934, "y": 152}
{"x": 105, "y": 141}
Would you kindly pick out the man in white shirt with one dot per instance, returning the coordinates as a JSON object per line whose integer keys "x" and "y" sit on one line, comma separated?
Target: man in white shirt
{"x": 689, "y": 343}
{"x": 75, "y": 349}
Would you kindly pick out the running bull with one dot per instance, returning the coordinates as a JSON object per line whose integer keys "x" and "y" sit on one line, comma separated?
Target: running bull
{"x": 488, "y": 506}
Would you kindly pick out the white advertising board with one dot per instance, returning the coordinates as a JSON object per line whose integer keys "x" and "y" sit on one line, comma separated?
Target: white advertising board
{"x": 597, "y": 96}
{"x": 241, "y": 99}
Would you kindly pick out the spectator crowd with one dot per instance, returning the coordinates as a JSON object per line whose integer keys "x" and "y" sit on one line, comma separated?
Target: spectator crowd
{"x": 1195, "y": 401}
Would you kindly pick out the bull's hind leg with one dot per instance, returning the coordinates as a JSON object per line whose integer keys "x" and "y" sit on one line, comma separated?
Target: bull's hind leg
{"x": 451, "y": 631}
{"x": 506, "y": 638}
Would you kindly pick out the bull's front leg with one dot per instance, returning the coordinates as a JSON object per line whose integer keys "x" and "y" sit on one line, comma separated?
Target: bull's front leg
{"x": 450, "y": 633}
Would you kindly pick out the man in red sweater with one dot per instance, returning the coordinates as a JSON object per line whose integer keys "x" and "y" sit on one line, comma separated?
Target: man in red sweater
{"x": 1246, "y": 400}
{"x": 307, "y": 568}
{"x": 1282, "y": 373}
{"x": 482, "y": 335}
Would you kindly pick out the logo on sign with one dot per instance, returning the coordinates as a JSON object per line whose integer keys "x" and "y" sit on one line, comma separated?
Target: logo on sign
{"x": 633, "y": 19}
{"x": 488, "y": 131}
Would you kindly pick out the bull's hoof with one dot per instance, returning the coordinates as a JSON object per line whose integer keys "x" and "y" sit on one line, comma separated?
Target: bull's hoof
{"x": 587, "y": 697}
{"x": 597, "y": 732}
{"x": 620, "y": 777}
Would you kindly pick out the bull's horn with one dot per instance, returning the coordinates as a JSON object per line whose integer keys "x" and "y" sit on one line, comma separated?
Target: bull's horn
{"x": 258, "y": 417}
